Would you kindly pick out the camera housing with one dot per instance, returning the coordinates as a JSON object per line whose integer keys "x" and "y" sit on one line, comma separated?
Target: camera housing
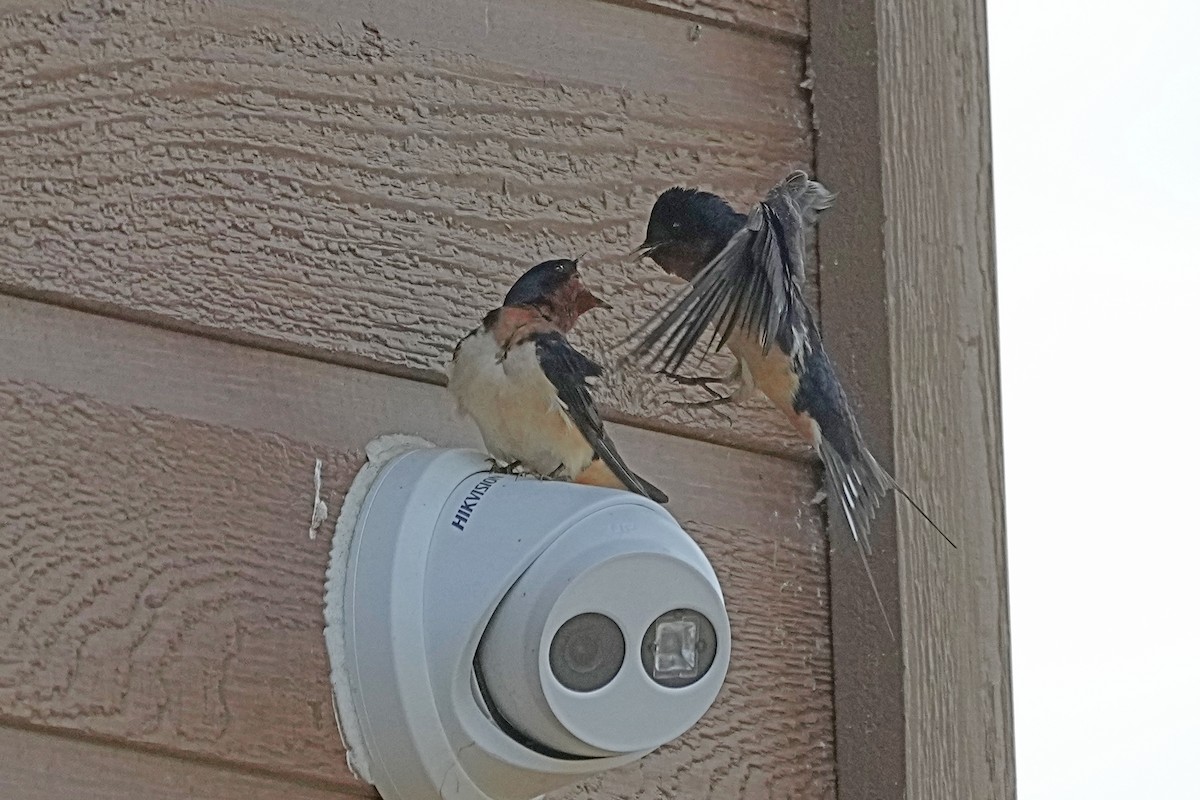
{"x": 502, "y": 636}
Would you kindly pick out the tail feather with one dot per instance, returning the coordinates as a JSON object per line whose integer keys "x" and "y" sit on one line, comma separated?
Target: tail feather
{"x": 860, "y": 487}
{"x": 600, "y": 473}
{"x": 860, "y": 484}
{"x": 900, "y": 491}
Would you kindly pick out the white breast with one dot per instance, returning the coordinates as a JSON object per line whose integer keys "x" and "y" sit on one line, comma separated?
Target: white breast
{"x": 516, "y": 407}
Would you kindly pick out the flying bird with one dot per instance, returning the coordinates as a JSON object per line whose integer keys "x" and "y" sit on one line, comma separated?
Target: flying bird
{"x": 527, "y": 388}
{"x": 744, "y": 273}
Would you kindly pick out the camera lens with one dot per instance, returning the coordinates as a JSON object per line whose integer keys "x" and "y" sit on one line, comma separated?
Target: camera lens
{"x": 678, "y": 648}
{"x": 587, "y": 652}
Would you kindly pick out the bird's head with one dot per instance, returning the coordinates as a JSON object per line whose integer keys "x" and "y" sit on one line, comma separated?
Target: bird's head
{"x": 687, "y": 228}
{"x": 556, "y": 288}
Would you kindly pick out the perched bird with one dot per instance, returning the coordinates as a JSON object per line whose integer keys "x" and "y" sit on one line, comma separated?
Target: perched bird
{"x": 744, "y": 273}
{"x": 526, "y": 387}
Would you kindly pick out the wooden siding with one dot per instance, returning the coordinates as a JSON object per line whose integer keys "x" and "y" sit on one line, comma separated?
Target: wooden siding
{"x": 240, "y": 235}
{"x": 278, "y": 217}
{"x": 359, "y": 182}
{"x": 158, "y": 586}
{"x": 38, "y": 765}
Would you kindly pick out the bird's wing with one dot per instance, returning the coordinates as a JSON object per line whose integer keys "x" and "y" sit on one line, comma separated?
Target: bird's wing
{"x": 752, "y": 284}
{"x": 568, "y": 370}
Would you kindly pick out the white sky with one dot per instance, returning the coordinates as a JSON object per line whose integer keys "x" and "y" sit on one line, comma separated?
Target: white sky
{"x": 1097, "y": 163}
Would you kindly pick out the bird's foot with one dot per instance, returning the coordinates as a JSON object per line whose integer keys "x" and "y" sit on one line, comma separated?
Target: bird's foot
{"x": 704, "y": 383}
{"x": 559, "y": 473}
{"x": 718, "y": 400}
{"x": 511, "y": 468}
{"x": 715, "y": 404}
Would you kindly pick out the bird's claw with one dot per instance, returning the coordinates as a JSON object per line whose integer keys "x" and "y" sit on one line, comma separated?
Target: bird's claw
{"x": 511, "y": 468}
{"x": 716, "y": 399}
{"x": 704, "y": 383}
{"x": 719, "y": 400}
{"x": 715, "y": 404}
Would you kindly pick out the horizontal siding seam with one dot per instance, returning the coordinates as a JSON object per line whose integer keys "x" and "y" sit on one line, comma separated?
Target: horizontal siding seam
{"x": 759, "y": 30}
{"x": 351, "y": 788}
{"x": 364, "y": 363}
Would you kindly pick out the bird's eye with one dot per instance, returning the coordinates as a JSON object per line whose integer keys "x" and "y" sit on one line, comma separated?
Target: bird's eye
{"x": 676, "y": 226}
{"x": 558, "y": 267}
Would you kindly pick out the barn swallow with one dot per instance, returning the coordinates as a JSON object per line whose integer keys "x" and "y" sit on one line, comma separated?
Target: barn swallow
{"x": 744, "y": 273}
{"x": 526, "y": 387}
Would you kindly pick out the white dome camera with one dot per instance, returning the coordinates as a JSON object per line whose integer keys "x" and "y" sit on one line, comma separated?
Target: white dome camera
{"x": 503, "y": 636}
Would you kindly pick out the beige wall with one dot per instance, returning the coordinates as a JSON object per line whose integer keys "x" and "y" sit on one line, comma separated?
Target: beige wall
{"x": 241, "y": 236}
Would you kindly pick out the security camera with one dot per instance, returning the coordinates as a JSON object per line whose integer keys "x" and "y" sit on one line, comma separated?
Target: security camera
{"x": 496, "y": 637}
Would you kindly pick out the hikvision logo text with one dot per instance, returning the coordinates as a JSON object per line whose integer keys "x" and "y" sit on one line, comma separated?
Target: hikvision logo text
{"x": 463, "y": 514}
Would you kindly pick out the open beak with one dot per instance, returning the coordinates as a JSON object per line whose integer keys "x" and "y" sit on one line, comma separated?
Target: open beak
{"x": 642, "y": 250}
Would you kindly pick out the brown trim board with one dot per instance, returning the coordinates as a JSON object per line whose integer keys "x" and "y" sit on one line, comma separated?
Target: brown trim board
{"x": 901, "y": 115}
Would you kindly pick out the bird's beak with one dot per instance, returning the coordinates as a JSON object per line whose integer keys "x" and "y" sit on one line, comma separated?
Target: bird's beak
{"x": 585, "y": 301}
{"x": 642, "y": 250}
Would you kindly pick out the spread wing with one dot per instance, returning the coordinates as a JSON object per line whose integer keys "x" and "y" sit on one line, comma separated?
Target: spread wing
{"x": 568, "y": 370}
{"x": 752, "y": 284}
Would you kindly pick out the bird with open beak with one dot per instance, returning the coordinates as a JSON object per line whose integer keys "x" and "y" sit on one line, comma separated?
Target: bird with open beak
{"x": 527, "y": 388}
{"x": 744, "y": 273}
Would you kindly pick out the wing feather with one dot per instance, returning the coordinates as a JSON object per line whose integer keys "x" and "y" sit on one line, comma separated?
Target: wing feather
{"x": 751, "y": 285}
{"x": 568, "y": 370}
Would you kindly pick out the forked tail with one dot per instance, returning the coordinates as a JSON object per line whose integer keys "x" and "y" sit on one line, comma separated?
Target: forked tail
{"x": 860, "y": 489}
